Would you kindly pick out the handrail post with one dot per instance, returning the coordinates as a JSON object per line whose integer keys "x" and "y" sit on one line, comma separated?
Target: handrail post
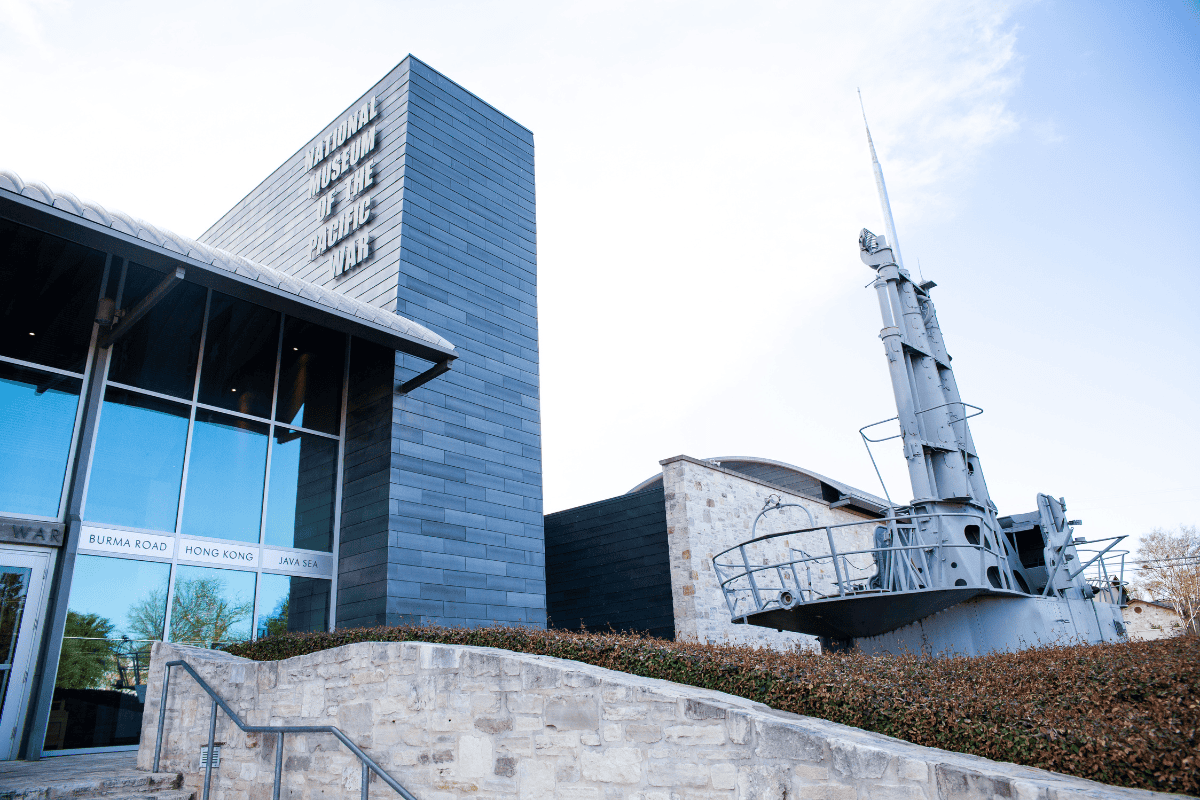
{"x": 750, "y": 575}
{"x": 162, "y": 714}
{"x": 366, "y": 779}
{"x": 836, "y": 569}
{"x": 212, "y": 738}
{"x": 278, "y": 765}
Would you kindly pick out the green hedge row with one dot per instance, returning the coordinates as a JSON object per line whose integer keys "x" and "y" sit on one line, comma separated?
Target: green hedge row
{"x": 1124, "y": 714}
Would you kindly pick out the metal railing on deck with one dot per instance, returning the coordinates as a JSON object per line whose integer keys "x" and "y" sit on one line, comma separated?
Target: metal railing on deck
{"x": 755, "y": 576}
{"x": 900, "y": 562}
{"x": 368, "y": 764}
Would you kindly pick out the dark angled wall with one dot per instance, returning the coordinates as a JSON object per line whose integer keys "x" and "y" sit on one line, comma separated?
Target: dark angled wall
{"x": 608, "y": 566}
{"x": 442, "y": 514}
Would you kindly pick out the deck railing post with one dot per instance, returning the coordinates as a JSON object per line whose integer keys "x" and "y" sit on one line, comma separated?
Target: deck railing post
{"x": 837, "y": 570}
{"x": 366, "y": 780}
{"x": 750, "y": 575}
{"x": 212, "y": 738}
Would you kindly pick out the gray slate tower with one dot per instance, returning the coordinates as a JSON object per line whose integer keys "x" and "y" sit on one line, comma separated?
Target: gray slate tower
{"x": 419, "y": 199}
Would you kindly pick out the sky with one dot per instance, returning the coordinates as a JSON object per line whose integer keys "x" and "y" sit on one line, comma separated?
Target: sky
{"x": 702, "y": 175}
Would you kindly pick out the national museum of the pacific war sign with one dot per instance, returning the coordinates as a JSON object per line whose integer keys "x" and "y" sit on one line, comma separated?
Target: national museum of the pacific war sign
{"x": 340, "y": 175}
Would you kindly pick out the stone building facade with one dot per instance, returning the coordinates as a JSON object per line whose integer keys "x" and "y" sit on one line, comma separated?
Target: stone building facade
{"x": 644, "y": 561}
{"x": 1149, "y": 619}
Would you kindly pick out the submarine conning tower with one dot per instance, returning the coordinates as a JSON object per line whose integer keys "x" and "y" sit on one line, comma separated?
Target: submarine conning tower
{"x": 944, "y": 572}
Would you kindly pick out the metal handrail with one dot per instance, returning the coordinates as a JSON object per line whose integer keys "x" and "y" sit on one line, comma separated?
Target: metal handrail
{"x": 885, "y": 521}
{"x": 903, "y": 562}
{"x": 368, "y": 764}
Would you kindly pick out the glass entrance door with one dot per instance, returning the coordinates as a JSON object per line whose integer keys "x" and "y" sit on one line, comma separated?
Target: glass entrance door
{"x": 22, "y": 581}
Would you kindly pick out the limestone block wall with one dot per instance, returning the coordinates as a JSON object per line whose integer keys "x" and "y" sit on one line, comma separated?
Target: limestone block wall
{"x": 453, "y": 722}
{"x": 1145, "y": 621}
{"x": 710, "y": 509}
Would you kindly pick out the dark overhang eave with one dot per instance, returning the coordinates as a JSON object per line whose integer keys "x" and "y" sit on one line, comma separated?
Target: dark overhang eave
{"x": 225, "y": 273}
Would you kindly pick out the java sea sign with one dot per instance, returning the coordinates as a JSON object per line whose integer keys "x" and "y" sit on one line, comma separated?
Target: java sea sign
{"x": 340, "y": 175}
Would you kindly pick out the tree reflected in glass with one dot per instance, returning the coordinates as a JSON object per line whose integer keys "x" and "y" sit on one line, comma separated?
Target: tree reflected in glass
{"x": 211, "y": 606}
{"x": 276, "y": 623}
{"x": 87, "y": 657}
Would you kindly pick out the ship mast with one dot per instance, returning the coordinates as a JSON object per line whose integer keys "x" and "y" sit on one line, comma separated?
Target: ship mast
{"x": 943, "y": 465}
{"x": 888, "y": 222}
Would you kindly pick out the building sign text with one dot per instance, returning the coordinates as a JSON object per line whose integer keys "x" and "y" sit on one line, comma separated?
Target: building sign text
{"x": 341, "y": 174}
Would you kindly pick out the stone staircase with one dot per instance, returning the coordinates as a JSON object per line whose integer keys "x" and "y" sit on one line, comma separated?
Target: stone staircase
{"x": 100, "y": 776}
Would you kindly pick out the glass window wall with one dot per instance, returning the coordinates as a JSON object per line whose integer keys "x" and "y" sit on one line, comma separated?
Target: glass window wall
{"x": 290, "y": 604}
{"x": 226, "y": 474}
{"x": 310, "y": 377}
{"x": 103, "y": 665}
{"x": 219, "y": 419}
{"x": 105, "y": 656}
{"x": 48, "y": 304}
{"x": 48, "y": 293}
{"x": 240, "y": 355}
{"x": 300, "y": 504}
{"x": 199, "y": 466}
{"x": 37, "y": 419}
{"x": 211, "y": 607}
{"x": 161, "y": 351}
{"x": 137, "y": 467}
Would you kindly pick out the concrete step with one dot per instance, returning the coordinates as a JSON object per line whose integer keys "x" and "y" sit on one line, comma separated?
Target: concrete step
{"x": 142, "y": 784}
{"x": 157, "y": 794}
{"x": 101, "y": 775}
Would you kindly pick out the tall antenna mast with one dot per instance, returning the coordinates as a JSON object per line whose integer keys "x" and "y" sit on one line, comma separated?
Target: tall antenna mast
{"x": 888, "y": 222}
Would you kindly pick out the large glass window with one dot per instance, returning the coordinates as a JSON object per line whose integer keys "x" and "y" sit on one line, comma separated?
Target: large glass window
{"x": 48, "y": 302}
{"x": 226, "y": 473}
{"x": 289, "y": 605}
{"x": 138, "y": 464}
{"x": 116, "y": 611}
{"x": 119, "y": 607}
{"x": 310, "y": 377}
{"x": 300, "y": 501}
{"x": 240, "y": 352}
{"x": 161, "y": 350}
{"x": 211, "y": 607}
{"x": 37, "y": 418}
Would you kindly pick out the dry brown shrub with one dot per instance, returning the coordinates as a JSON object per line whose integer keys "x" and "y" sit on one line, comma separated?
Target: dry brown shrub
{"x": 1124, "y": 714}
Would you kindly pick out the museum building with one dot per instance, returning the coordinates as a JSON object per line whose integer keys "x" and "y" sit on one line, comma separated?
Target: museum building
{"x": 322, "y": 413}
{"x": 642, "y": 562}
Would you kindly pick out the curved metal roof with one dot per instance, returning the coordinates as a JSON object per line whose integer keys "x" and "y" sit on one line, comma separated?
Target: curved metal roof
{"x": 787, "y": 476}
{"x": 242, "y": 270}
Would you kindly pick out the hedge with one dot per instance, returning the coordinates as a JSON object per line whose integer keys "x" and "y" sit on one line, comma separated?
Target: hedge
{"x": 1121, "y": 713}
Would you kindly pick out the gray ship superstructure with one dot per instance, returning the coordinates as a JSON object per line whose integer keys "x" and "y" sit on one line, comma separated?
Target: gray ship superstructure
{"x": 944, "y": 573}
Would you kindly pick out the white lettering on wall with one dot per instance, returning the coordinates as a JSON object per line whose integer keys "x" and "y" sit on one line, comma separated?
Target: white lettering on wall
{"x": 109, "y": 540}
{"x": 112, "y": 541}
{"x": 298, "y": 562}
{"x": 216, "y": 553}
{"x": 338, "y": 164}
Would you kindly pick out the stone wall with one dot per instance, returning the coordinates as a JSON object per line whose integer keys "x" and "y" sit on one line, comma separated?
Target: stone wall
{"x": 710, "y": 509}
{"x": 467, "y": 722}
{"x": 1145, "y": 621}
